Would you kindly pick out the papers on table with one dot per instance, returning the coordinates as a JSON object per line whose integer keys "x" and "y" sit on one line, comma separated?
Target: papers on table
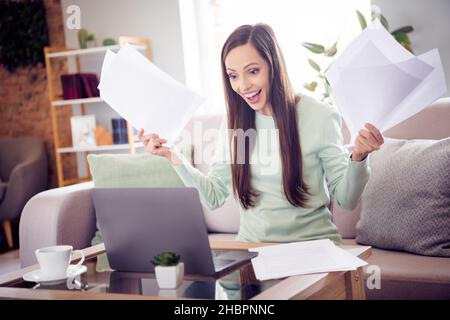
{"x": 376, "y": 80}
{"x": 144, "y": 95}
{"x": 283, "y": 260}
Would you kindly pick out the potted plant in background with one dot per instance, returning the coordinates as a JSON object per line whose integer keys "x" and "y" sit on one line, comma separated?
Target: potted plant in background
{"x": 90, "y": 41}
{"x": 86, "y": 39}
{"x": 400, "y": 34}
{"x": 169, "y": 271}
{"x": 109, "y": 42}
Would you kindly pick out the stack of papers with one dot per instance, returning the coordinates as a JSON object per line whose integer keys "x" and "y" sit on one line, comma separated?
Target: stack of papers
{"x": 283, "y": 260}
{"x": 376, "y": 80}
{"x": 144, "y": 95}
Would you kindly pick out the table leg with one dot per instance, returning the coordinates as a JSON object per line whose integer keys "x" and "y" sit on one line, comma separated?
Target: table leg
{"x": 354, "y": 282}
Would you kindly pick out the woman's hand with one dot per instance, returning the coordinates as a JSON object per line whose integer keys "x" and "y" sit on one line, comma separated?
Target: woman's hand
{"x": 368, "y": 140}
{"x": 154, "y": 145}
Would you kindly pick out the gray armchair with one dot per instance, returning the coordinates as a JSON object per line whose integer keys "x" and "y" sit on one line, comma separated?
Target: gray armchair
{"x": 23, "y": 173}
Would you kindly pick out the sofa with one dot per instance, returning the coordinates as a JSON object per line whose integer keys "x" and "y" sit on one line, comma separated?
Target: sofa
{"x": 66, "y": 216}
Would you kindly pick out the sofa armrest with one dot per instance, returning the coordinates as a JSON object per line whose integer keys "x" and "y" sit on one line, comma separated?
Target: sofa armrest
{"x": 345, "y": 220}
{"x": 54, "y": 217}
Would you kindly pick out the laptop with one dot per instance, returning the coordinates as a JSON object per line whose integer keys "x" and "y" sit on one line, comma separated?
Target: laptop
{"x": 139, "y": 223}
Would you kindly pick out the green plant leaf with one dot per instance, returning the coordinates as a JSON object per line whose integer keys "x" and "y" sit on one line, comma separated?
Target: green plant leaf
{"x": 327, "y": 88}
{"x": 401, "y": 38}
{"x": 314, "y": 65}
{"x": 374, "y": 15}
{"x": 361, "y": 19}
{"x": 166, "y": 259}
{"x": 314, "y": 47}
{"x": 311, "y": 86}
{"x": 331, "y": 51}
{"x": 82, "y": 34}
{"x": 384, "y": 22}
{"x": 109, "y": 42}
{"x": 405, "y": 29}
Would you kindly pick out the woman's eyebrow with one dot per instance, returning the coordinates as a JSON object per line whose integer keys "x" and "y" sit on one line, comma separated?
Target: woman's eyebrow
{"x": 248, "y": 65}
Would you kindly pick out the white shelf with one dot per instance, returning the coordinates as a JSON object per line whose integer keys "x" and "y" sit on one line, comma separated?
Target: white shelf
{"x": 99, "y": 148}
{"x": 87, "y": 51}
{"x": 58, "y": 103}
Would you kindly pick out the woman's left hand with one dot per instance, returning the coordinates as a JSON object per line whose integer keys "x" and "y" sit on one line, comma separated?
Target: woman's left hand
{"x": 368, "y": 140}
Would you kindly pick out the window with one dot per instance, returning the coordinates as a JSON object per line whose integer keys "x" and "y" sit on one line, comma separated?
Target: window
{"x": 206, "y": 24}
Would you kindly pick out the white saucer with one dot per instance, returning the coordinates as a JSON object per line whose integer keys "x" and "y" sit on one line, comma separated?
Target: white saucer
{"x": 36, "y": 276}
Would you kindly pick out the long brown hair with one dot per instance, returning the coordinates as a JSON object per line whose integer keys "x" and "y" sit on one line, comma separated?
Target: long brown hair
{"x": 282, "y": 101}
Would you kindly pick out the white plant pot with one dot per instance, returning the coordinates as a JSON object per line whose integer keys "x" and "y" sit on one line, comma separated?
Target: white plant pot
{"x": 169, "y": 277}
{"x": 91, "y": 44}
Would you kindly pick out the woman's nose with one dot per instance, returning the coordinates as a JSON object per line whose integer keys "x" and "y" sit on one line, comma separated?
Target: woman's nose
{"x": 244, "y": 84}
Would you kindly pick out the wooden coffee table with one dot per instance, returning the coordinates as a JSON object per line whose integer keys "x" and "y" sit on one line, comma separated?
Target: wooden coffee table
{"x": 239, "y": 284}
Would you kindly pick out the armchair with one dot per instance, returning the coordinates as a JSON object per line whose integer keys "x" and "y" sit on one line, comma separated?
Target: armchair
{"x": 23, "y": 173}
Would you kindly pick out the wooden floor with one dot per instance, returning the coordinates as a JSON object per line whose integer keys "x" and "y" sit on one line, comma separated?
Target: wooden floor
{"x": 9, "y": 261}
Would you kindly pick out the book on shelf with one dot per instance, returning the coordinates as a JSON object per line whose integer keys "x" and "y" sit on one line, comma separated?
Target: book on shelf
{"x": 120, "y": 132}
{"x": 79, "y": 85}
{"x": 90, "y": 83}
{"x": 71, "y": 87}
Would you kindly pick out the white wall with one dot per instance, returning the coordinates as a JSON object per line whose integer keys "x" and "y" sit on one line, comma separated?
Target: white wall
{"x": 156, "y": 20}
{"x": 431, "y": 22}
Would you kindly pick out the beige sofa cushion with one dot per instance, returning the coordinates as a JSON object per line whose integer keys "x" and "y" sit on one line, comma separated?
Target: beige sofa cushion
{"x": 406, "y": 276}
{"x": 404, "y": 266}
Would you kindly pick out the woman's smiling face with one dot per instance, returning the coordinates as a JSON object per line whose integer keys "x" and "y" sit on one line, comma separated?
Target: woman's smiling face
{"x": 248, "y": 73}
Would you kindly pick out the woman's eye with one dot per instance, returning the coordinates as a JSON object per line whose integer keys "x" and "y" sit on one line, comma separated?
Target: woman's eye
{"x": 232, "y": 76}
{"x": 254, "y": 71}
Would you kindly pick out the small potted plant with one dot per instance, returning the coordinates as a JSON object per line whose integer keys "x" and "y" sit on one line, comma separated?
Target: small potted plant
{"x": 169, "y": 270}
{"x": 90, "y": 41}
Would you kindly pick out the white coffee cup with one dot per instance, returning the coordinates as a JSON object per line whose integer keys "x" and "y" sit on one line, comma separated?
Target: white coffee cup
{"x": 54, "y": 261}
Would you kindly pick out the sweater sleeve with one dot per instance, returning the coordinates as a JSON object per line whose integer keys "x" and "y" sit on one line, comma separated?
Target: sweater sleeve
{"x": 346, "y": 178}
{"x": 215, "y": 186}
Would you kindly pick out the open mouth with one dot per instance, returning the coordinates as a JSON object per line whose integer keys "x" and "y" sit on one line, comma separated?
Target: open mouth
{"x": 253, "y": 97}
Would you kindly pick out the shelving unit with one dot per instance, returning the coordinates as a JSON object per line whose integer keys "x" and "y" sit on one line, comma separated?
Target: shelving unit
{"x": 57, "y": 102}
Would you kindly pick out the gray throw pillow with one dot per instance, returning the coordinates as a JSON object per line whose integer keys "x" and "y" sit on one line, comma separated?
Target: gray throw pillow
{"x": 406, "y": 203}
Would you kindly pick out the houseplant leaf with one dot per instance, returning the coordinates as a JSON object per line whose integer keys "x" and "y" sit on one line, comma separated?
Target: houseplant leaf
{"x": 330, "y": 52}
{"x": 401, "y": 37}
{"x": 314, "y": 65}
{"x": 361, "y": 19}
{"x": 314, "y": 47}
{"x": 384, "y": 22}
{"x": 166, "y": 259}
{"x": 405, "y": 29}
{"x": 311, "y": 86}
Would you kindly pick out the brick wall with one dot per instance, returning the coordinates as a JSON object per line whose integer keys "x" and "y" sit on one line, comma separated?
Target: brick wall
{"x": 24, "y": 103}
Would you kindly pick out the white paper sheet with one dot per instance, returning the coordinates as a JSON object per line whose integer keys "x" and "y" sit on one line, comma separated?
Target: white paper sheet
{"x": 279, "y": 261}
{"x": 376, "y": 80}
{"x": 144, "y": 95}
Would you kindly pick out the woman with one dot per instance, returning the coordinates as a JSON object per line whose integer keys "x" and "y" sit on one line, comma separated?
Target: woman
{"x": 289, "y": 203}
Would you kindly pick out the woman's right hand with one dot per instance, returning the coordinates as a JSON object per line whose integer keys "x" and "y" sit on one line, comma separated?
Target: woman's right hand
{"x": 154, "y": 145}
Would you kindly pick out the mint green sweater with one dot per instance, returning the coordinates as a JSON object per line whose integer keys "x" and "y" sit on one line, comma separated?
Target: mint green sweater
{"x": 327, "y": 169}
